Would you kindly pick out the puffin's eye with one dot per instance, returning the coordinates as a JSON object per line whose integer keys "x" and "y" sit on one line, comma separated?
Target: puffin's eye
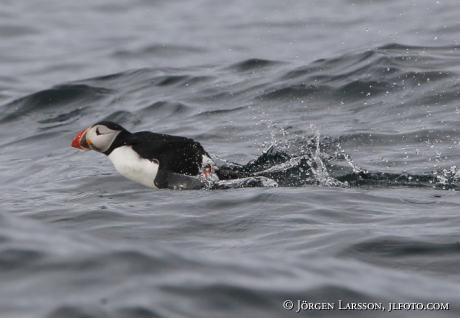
{"x": 97, "y": 131}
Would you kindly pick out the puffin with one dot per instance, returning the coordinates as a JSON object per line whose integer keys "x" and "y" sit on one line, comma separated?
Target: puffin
{"x": 155, "y": 160}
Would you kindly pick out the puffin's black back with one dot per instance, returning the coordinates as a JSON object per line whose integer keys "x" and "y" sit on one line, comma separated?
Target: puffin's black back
{"x": 175, "y": 154}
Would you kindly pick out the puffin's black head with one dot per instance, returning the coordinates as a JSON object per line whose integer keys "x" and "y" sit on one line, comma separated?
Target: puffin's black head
{"x": 99, "y": 137}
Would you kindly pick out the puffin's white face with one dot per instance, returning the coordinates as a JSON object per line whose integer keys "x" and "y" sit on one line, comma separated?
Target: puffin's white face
{"x": 98, "y": 137}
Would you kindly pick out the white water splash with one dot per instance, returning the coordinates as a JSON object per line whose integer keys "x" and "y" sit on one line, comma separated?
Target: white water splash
{"x": 247, "y": 183}
{"x": 304, "y": 154}
{"x": 356, "y": 169}
{"x": 315, "y": 160}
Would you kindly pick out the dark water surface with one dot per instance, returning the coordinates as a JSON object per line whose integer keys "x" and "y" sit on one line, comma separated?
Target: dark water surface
{"x": 350, "y": 107}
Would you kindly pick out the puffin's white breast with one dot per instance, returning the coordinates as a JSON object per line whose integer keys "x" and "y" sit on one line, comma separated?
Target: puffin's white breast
{"x": 130, "y": 165}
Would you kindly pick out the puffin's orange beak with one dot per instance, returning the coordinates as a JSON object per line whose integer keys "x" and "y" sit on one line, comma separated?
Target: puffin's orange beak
{"x": 80, "y": 142}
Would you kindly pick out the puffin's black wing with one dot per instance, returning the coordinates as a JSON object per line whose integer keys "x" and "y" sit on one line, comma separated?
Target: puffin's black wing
{"x": 175, "y": 154}
{"x": 172, "y": 180}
